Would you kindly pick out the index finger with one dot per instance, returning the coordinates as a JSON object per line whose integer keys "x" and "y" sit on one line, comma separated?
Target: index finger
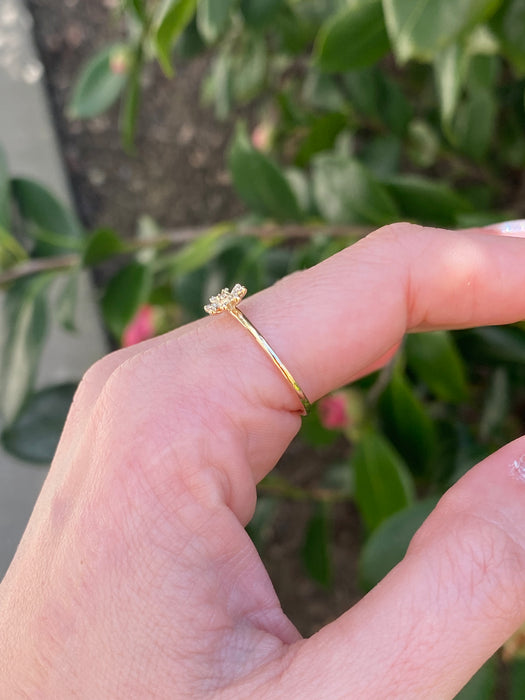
{"x": 336, "y": 319}
{"x": 212, "y": 382}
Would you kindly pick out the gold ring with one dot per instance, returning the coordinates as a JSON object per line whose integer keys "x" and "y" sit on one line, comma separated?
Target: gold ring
{"x": 227, "y": 301}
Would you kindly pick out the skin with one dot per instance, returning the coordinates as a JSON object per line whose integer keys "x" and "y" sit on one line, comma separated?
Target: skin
{"x": 135, "y": 577}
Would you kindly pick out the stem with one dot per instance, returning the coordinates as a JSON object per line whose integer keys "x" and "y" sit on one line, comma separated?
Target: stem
{"x": 31, "y": 267}
{"x": 182, "y": 236}
{"x": 381, "y": 383}
{"x": 280, "y": 487}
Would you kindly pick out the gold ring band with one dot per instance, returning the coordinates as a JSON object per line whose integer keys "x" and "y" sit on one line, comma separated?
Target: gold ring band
{"x": 227, "y": 301}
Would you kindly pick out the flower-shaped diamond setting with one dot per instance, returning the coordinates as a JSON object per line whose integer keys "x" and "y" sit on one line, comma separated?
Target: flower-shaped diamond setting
{"x": 225, "y": 300}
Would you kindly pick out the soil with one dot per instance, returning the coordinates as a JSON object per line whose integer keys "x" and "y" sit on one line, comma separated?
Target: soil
{"x": 178, "y": 176}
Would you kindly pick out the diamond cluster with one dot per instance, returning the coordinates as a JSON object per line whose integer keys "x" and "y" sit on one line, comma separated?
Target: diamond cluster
{"x": 225, "y": 300}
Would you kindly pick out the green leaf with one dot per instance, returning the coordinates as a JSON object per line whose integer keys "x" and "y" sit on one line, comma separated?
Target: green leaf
{"x": 494, "y": 344}
{"x": 395, "y": 110}
{"x": 426, "y": 201}
{"x": 190, "y": 42}
{"x": 130, "y": 104}
{"x": 11, "y": 252}
{"x": 217, "y": 88}
{"x": 321, "y": 91}
{"x": 383, "y": 484}
{"x": 496, "y": 407}
{"x": 147, "y": 236}
{"x": 363, "y": 87}
{"x": 419, "y": 29}
{"x": 259, "y": 182}
{"x": 450, "y": 74}
{"x": 34, "y": 435}
{"x": 482, "y": 685}
{"x": 5, "y": 210}
{"x": 249, "y": 70}
{"x": 508, "y": 25}
{"x": 192, "y": 291}
{"x": 66, "y": 304}
{"x": 258, "y": 13}
{"x": 40, "y": 208}
{"x": 126, "y": 291}
{"x": 25, "y": 330}
{"x": 213, "y": 17}
{"x": 346, "y": 192}
{"x": 248, "y": 263}
{"x": 423, "y": 144}
{"x": 259, "y": 527}
{"x": 388, "y": 544}
{"x": 517, "y": 679}
{"x": 301, "y": 187}
{"x": 176, "y": 16}
{"x": 353, "y": 38}
{"x": 103, "y": 243}
{"x": 139, "y": 8}
{"x": 321, "y": 136}
{"x": 196, "y": 254}
{"x": 382, "y": 155}
{"x": 435, "y": 360}
{"x": 292, "y": 32}
{"x": 379, "y": 98}
{"x": 407, "y": 423}
{"x": 316, "y": 546}
{"x": 473, "y": 128}
{"x": 100, "y": 82}
{"x": 483, "y": 72}
{"x": 313, "y": 431}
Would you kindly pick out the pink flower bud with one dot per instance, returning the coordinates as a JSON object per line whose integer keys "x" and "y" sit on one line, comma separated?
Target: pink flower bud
{"x": 262, "y": 136}
{"x": 119, "y": 62}
{"x": 141, "y": 327}
{"x": 333, "y": 411}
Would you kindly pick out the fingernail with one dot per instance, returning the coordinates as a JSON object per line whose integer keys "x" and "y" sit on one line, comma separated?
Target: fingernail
{"x": 517, "y": 226}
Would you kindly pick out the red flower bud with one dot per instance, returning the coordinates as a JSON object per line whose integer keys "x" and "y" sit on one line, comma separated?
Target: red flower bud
{"x": 333, "y": 412}
{"x": 119, "y": 62}
{"x": 262, "y": 136}
{"x": 141, "y": 327}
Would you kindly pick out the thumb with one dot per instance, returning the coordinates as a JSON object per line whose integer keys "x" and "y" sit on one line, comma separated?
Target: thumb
{"x": 458, "y": 594}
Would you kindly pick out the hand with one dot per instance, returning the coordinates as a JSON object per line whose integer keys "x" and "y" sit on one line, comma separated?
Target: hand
{"x": 135, "y": 577}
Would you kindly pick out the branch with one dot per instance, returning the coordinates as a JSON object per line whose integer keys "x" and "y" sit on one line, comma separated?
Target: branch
{"x": 35, "y": 265}
{"x": 276, "y": 485}
{"x": 179, "y": 237}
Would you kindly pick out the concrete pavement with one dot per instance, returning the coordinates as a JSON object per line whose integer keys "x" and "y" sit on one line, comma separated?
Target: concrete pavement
{"x": 27, "y": 136}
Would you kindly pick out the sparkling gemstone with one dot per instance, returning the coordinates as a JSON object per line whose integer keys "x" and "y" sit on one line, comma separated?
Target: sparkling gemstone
{"x": 225, "y": 300}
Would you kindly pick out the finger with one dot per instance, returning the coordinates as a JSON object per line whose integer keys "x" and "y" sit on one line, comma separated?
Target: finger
{"x": 328, "y": 324}
{"x": 93, "y": 382}
{"x": 338, "y": 318}
{"x": 345, "y": 289}
{"x": 444, "y": 610}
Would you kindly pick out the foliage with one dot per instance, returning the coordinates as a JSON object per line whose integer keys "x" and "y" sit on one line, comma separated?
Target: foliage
{"x": 369, "y": 111}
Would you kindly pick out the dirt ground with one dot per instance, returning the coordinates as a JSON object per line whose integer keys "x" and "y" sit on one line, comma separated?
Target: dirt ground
{"x": 178, "y": 176}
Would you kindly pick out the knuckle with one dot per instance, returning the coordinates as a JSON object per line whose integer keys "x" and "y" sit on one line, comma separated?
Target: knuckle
{"x": 160, "y": 430}
{"x": 397, "y": 229}
{"x": 401, "y": 232}
{"x": 94, "y": 380}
